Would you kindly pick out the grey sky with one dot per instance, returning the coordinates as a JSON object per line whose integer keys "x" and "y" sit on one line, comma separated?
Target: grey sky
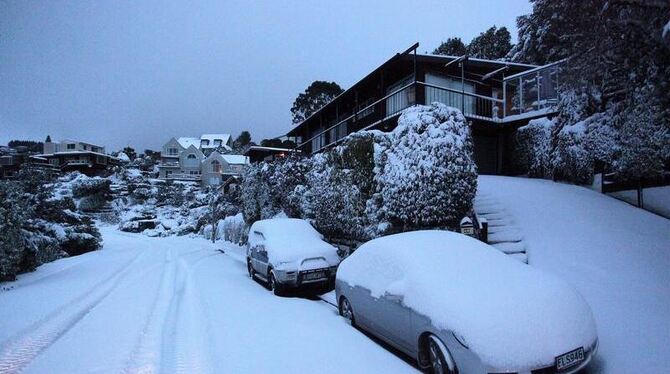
{"x": 135, "y": 73}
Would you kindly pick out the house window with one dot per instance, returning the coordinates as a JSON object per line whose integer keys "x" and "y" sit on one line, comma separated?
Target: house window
{"x": 402, "y": 99}
{"x": 217, "y": 142}
{"x": 70, "y": 146}
{"x": 319, "y": 141}
{"x": 173, "y": 151}
{"x": 216, "y": 166}
{"x": 450, "y": 98}
{"x": 362, "y": 112}
{"x": 191, "y": 156}
{"x": 204, "y": 142}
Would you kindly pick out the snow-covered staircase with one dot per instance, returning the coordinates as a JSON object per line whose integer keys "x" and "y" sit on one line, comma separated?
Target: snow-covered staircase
{"x": 503, "y": 234}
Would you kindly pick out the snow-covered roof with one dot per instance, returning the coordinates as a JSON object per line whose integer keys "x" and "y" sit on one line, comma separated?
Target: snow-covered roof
{"x": 236, "y": 159}
{"x": 211, "y": 137}
{"x": 186, "y": 141}
{"x": 496, "y": 303}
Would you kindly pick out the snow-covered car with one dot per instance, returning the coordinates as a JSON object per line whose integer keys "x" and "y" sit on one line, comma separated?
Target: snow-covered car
{"x": 289, "y": 253}
{"x": 458, "y": 305}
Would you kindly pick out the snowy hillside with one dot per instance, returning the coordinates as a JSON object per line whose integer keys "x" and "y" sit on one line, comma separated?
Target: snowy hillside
{"x": 616, "y": 255}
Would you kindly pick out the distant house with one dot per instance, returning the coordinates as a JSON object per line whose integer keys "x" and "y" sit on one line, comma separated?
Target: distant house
{"x": 203, "y": 159}
{"x": 496, "y": 97}
{"x": 257, "y": 153}
{"x": 73, "y": 155}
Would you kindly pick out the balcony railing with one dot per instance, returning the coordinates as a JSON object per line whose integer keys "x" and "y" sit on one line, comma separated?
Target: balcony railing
{"x": 527, "y": 94}
{"x": 531, "y": 91}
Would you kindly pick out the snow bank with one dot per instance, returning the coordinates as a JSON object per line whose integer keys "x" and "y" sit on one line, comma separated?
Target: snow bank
{"x": 509, "y": 313}
{"x": 291, "y": 240}
{"x": 616, "y": 255}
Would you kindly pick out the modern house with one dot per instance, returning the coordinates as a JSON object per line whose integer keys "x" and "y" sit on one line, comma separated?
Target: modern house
{"x": 12, "y": 160}
{"x": 74, "y": 155}
{"x": 496, "y": 97}
{"x": 204, "y": 160}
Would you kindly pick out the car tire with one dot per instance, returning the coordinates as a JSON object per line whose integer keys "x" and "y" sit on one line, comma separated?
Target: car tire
{"x": 439, "y": 358}
{"x": 250, "y": 270}
{"x": 346, "y": 311}
{"x": 275, "y": 286}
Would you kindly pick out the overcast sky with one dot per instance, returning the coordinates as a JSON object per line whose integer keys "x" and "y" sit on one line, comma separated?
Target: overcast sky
{"x": 136, "y": 73}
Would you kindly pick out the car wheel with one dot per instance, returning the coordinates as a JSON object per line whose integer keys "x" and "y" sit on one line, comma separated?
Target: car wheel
{"x": 251, "y": 271}
{"x": 275, "y": 286}
{"x": 346, "y": 311}
{"x": 440, "y": 359}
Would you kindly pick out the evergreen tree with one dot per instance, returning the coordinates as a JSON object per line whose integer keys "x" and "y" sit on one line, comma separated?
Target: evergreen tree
{"x": 492, "y": 44}
{"x": 318, "y": 94}
{"x": 130, "y": 152}
{"x": 48, "y": 139}
{"x": 452, "y": 47}
{"x": 242, "y": 141}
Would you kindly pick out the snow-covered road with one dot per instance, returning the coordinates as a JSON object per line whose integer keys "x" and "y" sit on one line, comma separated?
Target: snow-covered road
{"x": 171, "y": 305}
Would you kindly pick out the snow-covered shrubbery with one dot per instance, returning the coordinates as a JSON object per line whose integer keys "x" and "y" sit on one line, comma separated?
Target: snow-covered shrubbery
{"x": 425, "y": 171}
{"x": 532, "y": 148}
{"x": 39, "y": 222}
{"x": 420, "y": 175}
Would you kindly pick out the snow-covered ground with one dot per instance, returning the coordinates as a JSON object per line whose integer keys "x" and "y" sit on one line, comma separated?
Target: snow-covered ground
{"x": 616, "y": 255}
{"x": 171, "y": 304}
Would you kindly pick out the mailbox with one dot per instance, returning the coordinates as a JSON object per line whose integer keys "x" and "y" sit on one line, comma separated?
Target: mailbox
{"x": 467, "y": 228}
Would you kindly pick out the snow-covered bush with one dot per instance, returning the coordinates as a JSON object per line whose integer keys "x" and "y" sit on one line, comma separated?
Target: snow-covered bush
{"x": 14, "y": 212}
{"x": 38, "y": 222}
{"x": 425, "y": 171}
{"x": 234, "y": 229}
{"x": 571, "y": 159}
{"x": 533, "y": 146}
{"x": 86, "y": 186}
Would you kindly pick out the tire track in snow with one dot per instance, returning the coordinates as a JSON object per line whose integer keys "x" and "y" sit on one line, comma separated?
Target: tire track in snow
{"x": 146, "y": 356}
{"x": 184, "y": 349}
{"x": 17, "y": 352}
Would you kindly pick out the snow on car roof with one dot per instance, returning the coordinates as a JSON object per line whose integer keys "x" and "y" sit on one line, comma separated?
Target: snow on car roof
{"x": 509, "y": 313}
{"x": 289, "y": 239}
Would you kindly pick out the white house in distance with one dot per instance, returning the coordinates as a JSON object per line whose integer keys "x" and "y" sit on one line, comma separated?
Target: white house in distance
{"x": 203, "y": 159}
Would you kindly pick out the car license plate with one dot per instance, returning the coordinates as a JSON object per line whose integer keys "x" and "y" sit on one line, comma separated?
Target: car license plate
{"x": 312, "y": 276}
{"x": 570, "y": 359}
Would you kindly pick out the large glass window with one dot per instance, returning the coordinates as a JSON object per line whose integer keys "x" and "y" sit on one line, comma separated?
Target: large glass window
{"x": 448, "y": 97}
{"x": 402, "y": 99}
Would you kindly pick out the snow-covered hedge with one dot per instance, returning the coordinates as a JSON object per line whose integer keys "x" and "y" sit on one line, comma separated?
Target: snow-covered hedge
{"x": 422, "y": 174}
{"x": 533, "y": 146}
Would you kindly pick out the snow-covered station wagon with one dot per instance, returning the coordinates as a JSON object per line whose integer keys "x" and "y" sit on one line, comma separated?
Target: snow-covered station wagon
{"x": 289, "y": 253}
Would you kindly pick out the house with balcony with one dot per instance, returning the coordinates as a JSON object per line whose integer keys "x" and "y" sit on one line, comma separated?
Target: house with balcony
{"x": 496, "y": 97}
{"x": 74, "y": 155}
{"x": 204, "y": 160}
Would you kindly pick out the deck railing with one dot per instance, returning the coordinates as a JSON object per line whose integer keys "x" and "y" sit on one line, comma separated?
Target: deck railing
{"x": 532, "y": 90}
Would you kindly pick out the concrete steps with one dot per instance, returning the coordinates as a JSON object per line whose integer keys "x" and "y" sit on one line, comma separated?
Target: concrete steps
{"x": 504, "y": 235}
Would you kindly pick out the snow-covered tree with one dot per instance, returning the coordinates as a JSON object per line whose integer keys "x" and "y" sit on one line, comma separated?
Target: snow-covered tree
{"x": 14, "y": 212}
{"x": 425, "y": 171}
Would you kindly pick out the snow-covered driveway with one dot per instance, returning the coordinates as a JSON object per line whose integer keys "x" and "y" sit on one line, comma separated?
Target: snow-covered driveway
{"x": 170, "y": 305}
{"x": 617, "y": 256}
